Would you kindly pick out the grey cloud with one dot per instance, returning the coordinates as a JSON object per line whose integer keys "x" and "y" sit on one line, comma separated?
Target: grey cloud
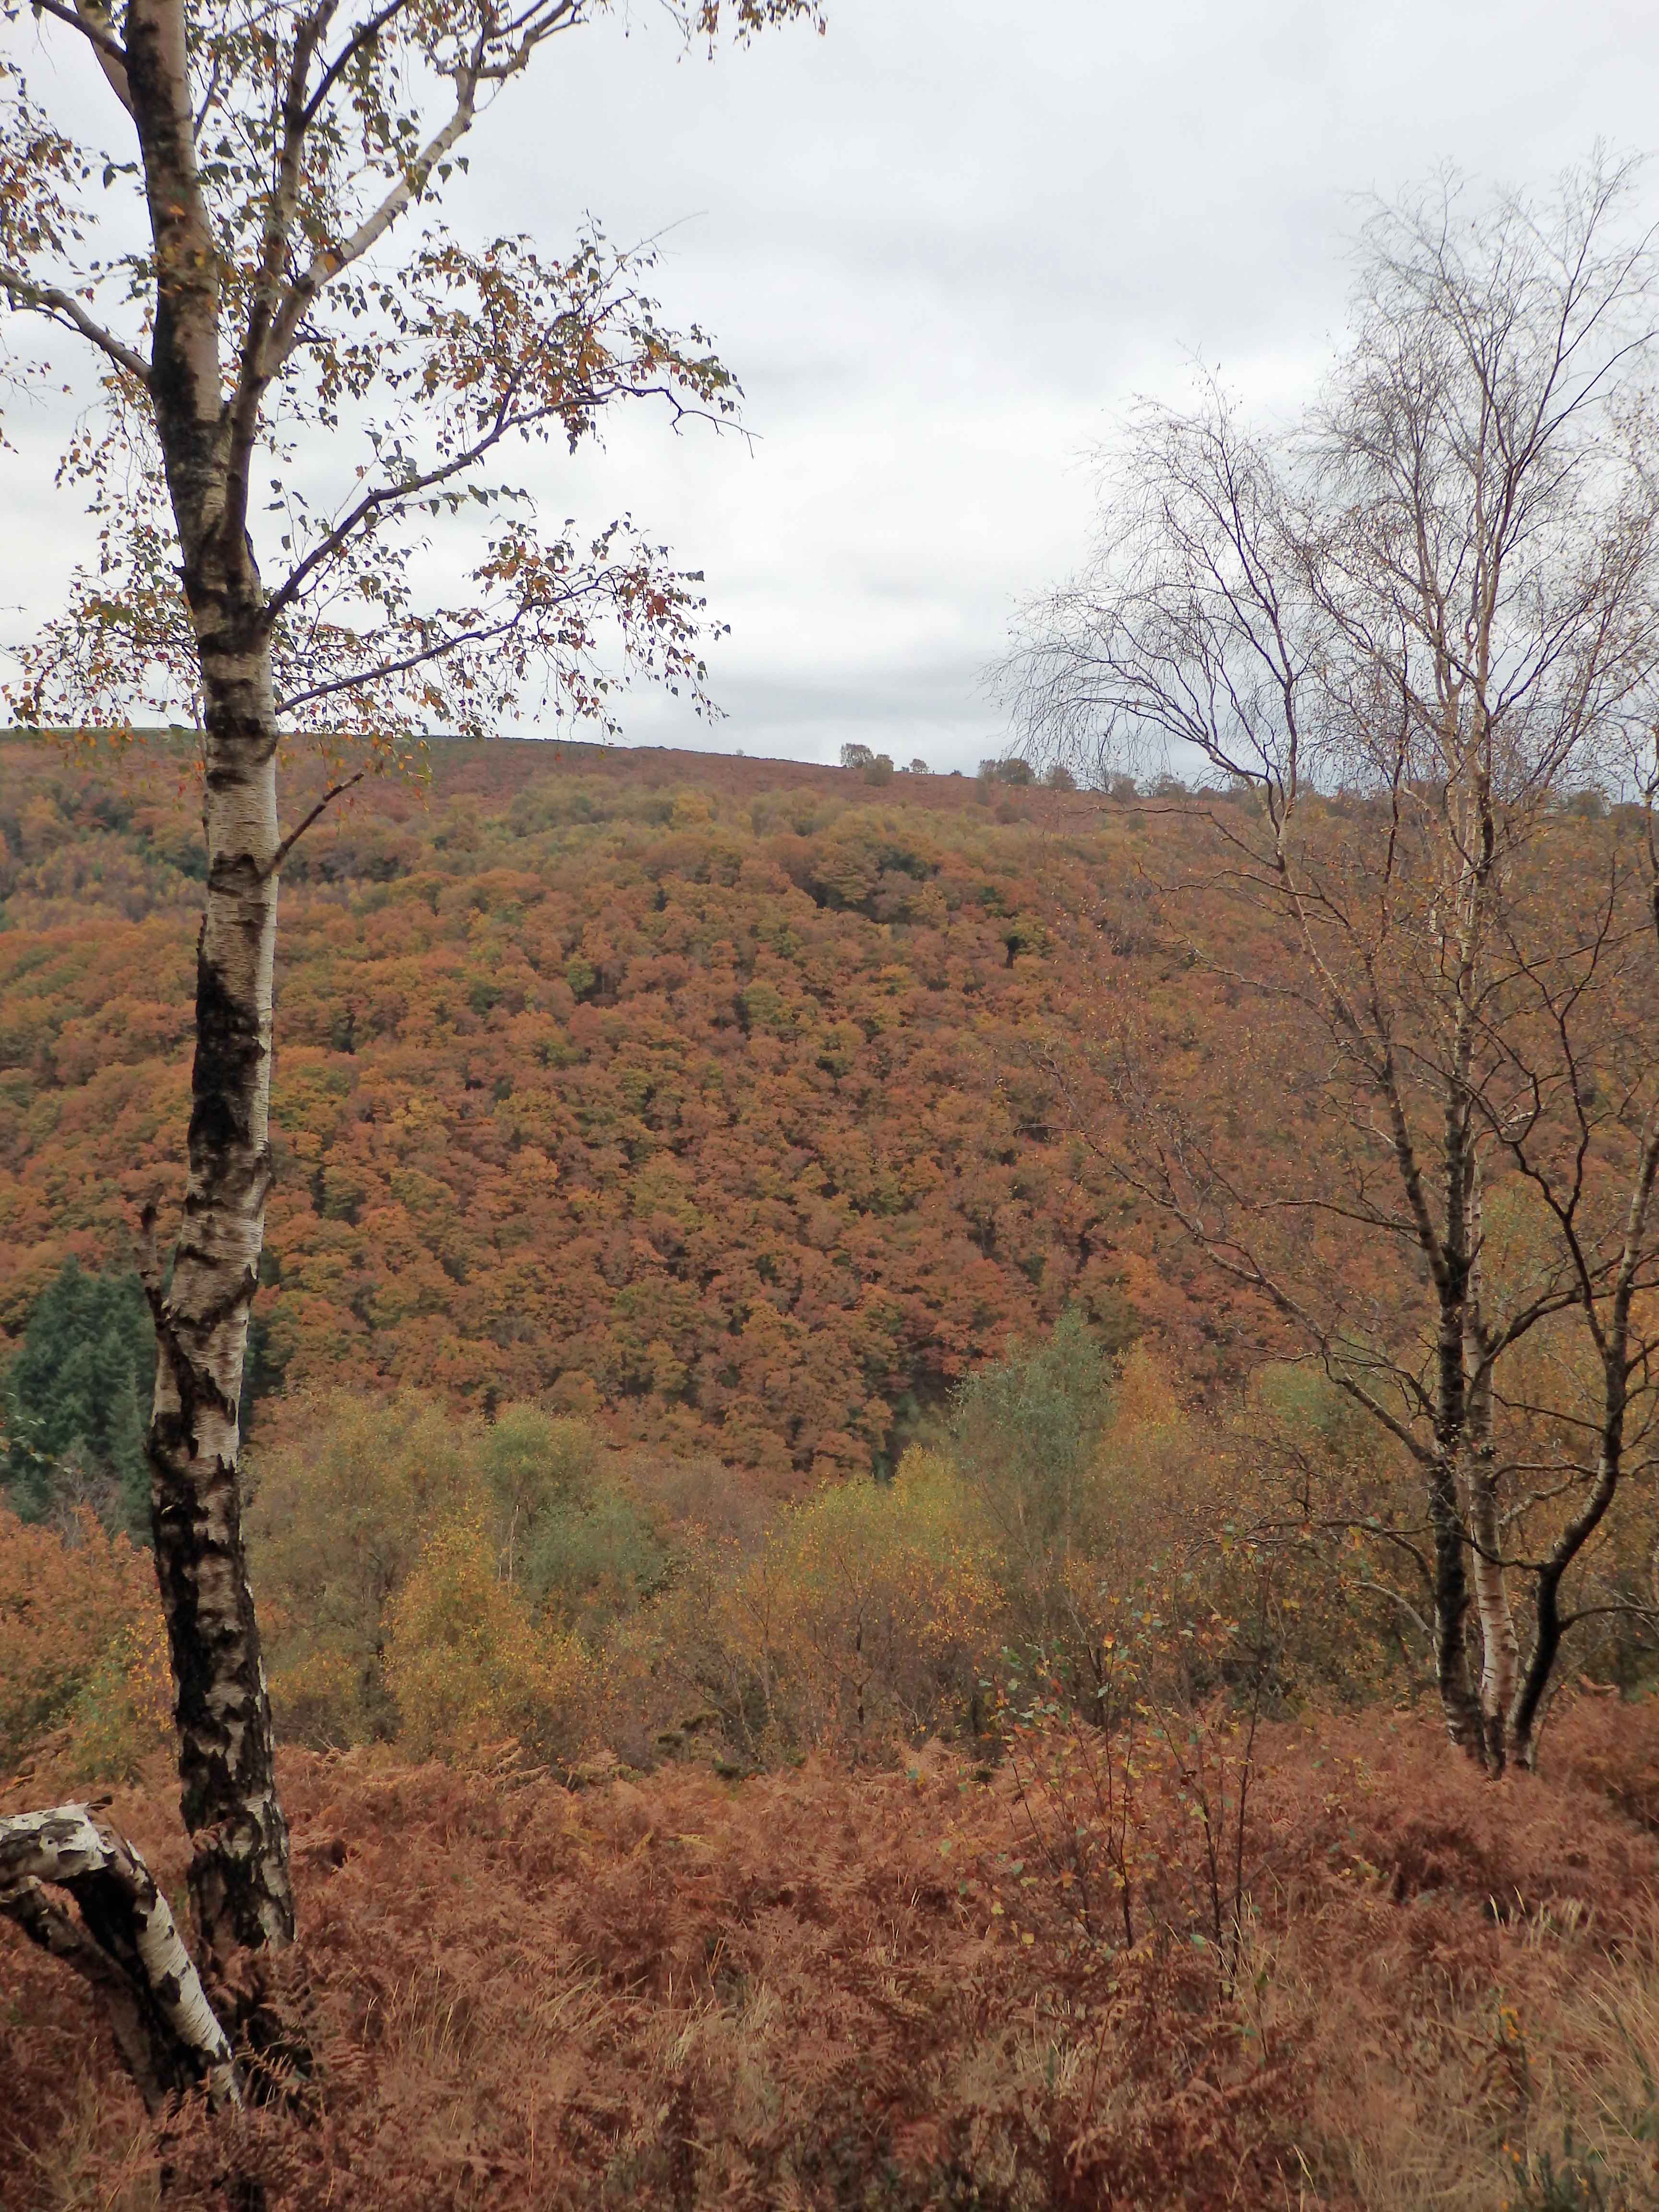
{"x": 939, "y": 247}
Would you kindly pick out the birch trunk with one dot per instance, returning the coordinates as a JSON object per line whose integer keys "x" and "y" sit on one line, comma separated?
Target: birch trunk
{"x": 1458, "y": 1702}
{"x": 124, "y": 1944}
{"x": 239, "y": 1878}
{"x": 1458, "y": 1397}
{"x": 1500, "y": 1647}
{"x": 239, "y": 1882}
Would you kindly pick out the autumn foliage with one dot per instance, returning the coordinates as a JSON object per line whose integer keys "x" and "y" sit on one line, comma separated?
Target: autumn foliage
{"x": 939, "y": 1867}
{"x": 823, "y": 1989}
{"x": 690, "y": 1091}
{"x": 819, "y": 1661}
{"x": 82, "y": 1652}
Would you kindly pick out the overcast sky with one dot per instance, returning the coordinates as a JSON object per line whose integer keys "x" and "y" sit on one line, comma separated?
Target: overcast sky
{"x": 942, "y": 248}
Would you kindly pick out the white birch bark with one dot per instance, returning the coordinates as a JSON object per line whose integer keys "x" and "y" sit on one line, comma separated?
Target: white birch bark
{"x": 125, "y": 1942}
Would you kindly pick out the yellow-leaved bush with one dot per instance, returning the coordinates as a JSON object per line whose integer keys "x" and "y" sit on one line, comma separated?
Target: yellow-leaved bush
{"x": 343, "y": 1498}
{"x": 469, "y": 1668}
{"x": 864, "y": 1617}
{"x": 419, "y": 1571}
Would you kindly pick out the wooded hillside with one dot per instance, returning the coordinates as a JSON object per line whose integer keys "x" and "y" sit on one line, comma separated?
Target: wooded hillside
{"x": 703, "y": 1091}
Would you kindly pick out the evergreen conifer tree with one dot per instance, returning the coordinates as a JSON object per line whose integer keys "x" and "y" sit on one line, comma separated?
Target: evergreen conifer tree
{"x": 76, "y": 1400}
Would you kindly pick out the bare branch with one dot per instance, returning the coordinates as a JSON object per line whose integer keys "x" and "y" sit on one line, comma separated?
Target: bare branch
{"x": 93, "y": 22}
{"x": 389, "y": 496}
{"x": 363, "y": 35}
{"x": 328, "y": 263}
{"x": 63, "y": 308}
{"x": 1382, "y": 1590}
{"x": 377, "y": 672}
{"x": 336, "y": 790}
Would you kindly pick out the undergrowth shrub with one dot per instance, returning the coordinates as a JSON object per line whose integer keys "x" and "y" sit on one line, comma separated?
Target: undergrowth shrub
{"x": 469, "y": 1668}
{"x": 832, "y": 1987}
{"x": 411, "y": 1578}
{"x": 1139, "y": 1824}
{"x": 804, "y": 1992}
{"x": 862, "y": 1620}
{"x": 594, "y": 1562}
{"x": 1076, "y": 1502}
{"x": 83, "y": 1647}
{"x": 344, "y": 1494}
{"x": 1077, "y": 1505}
{"x": 1485, "y": 1958}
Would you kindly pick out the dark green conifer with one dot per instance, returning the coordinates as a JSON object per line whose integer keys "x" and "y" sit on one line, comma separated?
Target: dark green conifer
{"x": 77, "y": 1396}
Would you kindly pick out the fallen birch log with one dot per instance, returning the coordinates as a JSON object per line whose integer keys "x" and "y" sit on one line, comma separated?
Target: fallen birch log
{"x": 124, "y": 1943}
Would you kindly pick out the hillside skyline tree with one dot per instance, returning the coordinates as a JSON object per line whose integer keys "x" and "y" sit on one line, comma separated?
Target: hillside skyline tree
{"x": 293, "y": 292}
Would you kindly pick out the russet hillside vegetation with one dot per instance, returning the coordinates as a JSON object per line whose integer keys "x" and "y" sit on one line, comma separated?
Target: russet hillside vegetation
{"x": 816, "y": 1989}
{"x": 821, "y": 1659}
{"x": 700, "y": 1093}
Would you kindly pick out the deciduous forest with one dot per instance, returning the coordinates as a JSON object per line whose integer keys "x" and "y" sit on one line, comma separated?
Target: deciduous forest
{"x": 707, "y": 1095}
{"x": 729, "y": 1483}
{"x": 814, "y": 1647}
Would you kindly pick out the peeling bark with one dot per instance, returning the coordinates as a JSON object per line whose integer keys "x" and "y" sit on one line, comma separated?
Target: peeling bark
{"x": 240, "y": 1881}
{"x": 1500, "y": 1647}
{"x": 1458, "y": 1703}
{"x": 1463, "y": 1392}
{"x": 124, "y": 1943}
